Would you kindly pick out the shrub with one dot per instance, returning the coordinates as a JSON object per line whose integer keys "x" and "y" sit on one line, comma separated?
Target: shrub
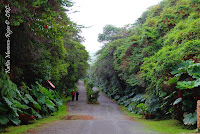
{"x": 92, "y": 96}
{"x": 21, "y": 105}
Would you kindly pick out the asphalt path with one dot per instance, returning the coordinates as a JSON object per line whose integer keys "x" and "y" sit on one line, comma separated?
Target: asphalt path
{"x": 103, "y": 118}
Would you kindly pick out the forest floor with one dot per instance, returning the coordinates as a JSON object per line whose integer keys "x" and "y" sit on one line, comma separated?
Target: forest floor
{"x": 104, "y": 118}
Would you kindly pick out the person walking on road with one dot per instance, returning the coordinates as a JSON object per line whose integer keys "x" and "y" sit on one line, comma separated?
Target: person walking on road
{"x": 73, "y": 95}
{"x": 77, "y": 94}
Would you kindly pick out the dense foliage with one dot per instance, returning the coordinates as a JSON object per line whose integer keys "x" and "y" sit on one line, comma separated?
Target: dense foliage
{"x": 92, "y": 96}
{"x": 44, "y": 45}
{"x": 152, "y": 67}
{"x": 23, "y": 104}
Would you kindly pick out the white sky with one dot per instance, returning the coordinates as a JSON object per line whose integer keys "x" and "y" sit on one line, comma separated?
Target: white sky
{"x": 98, "y": 13}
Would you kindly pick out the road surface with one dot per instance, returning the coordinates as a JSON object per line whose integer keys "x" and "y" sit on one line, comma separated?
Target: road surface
{"x": 103, "y": 118}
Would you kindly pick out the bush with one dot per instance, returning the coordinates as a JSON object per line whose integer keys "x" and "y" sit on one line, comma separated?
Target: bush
{"x": 21, "y": 105}
{"x": 92, "y": 96}
{"x": 164, "y": 37}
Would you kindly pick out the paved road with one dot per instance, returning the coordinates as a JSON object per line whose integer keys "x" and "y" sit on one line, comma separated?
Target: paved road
{"x": 103, "y": 118}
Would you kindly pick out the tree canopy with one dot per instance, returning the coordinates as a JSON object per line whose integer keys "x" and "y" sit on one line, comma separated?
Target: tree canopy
{"x": 43, "y": 42}
{"x": 45, "y": 46}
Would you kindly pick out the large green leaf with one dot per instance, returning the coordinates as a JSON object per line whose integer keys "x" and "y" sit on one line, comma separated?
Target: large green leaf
{"x": 182, "y": 67}
{"x": 173, "y": 80}
{"x": 11, "y": 105}
{"x": 30, "y": 98}
{"x": 17, "y": 104}
{"x": 190, "y": 119}
{"x": 50, "y": 105}
{"x": 140, "y": 105}
{"x": 177, "y": 101}
{"x": 58, "y": 102}
{"x": 41, "y": 99}
{"x": 35, "y": 113}
{"x": 3, "y": 120}
{"x": 188, "y": 84}
{"x": 194, "y": 70}
{"x": 14, "y": 119}
{"x": 3, "y": 108}
{"x": 45, "y": 91}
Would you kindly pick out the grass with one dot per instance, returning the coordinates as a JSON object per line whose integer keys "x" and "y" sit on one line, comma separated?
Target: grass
{"x": 169, "y": 126}
{"x": 24, "y": 128}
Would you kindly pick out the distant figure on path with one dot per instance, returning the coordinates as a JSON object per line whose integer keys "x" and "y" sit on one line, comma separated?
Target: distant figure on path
{"x": 77, "y": 94}
{"x": 73, "y": 95}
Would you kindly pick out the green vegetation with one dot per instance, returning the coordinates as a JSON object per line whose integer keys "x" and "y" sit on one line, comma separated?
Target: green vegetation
{"x": 45, "y": 43}
{"x": 19, "y": 106}
{"x": 169, "y": 126}
{"x": 24, "y": 128}
{"x": 152, "y": 66}
{"x": 92, "y": 96}
{"x": 45, "y": 48}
